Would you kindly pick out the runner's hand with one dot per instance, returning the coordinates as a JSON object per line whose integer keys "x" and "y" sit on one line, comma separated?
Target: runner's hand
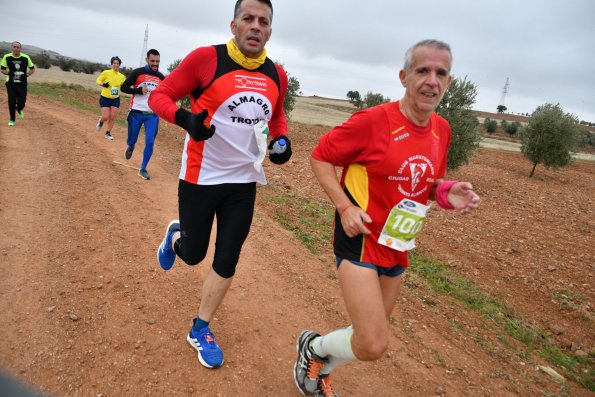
{"x": 194, "y": 124}
{"x": 280, "y": 158}
{"x": 353, "y": 220}
{"x": 106, "y": 84}
{"x": 463, "y": 198}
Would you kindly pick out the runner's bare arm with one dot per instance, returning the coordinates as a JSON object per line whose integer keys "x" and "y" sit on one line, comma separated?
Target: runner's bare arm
{"x": 353, "y": 218}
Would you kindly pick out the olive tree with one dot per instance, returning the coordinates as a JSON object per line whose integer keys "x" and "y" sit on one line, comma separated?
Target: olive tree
{"x": 550, "y": 137}
{"x": 490, "y": 125}
{"x": 512, "y": 128}
{"x": 374, "y": 99}
{"x": 355, "y": 99}
{"x": 371, "y": 99}
{"x": 42, "y": 60}
{"x": 456, "y": 108}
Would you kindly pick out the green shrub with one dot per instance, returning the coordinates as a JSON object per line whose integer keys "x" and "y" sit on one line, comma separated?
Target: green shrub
{"x": 65, "y": 64}
{"x": 490, "y": 125}
{"x": 42, "y": 61}
{"x": 513, "y": 127}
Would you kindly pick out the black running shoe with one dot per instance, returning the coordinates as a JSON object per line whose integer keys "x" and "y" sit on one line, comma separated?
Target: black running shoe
{"x": 144, "y": 174}
{"x": 306, "y": 371}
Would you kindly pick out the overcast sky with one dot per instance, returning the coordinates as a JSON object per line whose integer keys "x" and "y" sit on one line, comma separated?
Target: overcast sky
{"x": 545, "y": 47}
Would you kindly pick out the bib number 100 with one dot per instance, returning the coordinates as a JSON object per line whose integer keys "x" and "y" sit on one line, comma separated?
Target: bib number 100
{"x": 407, "y": 225}
{"x": 403, "y": 224}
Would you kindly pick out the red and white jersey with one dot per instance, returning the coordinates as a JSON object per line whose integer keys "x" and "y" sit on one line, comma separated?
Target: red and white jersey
{"x": 386, "y": 159}
{"x": 236, "y": 99}
{"x": 138, "y": 79}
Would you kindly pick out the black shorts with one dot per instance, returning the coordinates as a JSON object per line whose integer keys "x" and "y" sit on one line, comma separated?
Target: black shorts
{"x": 109, "y": 102}
{"x": 233, "y": 206}
{"x": 393, "y": 271}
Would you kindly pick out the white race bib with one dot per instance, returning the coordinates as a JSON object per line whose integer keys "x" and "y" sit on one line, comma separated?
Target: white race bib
{"x": 261, "y": 132}
{"x": 115, "y": 91}
{"x": 403, "y": 224}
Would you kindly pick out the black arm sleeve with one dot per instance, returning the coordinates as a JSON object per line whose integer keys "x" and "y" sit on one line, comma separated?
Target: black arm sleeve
{"x": 129, "y": 82}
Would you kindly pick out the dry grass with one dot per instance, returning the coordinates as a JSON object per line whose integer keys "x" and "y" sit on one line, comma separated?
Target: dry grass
{"x": 321, "y": 111}
{"x": 56, "y": 75}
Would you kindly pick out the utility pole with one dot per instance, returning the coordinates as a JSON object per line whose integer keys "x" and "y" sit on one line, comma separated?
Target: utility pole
{"x": 143, "y": 53}
{"x": 501, "y": 106}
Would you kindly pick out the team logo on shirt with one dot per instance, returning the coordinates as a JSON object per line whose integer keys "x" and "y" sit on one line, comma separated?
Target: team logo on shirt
{"x": 415, "y": 176}
{"x": 250, "y": 100}
{"x": 401, "y": 137}
{"x": 251, "y": 82}
{"x": 150, "y": 82}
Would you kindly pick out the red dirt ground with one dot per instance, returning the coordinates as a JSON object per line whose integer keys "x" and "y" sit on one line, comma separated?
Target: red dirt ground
{"x": 86, "y": 310}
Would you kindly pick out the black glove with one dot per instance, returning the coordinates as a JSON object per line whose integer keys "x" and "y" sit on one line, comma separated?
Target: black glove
{"x": 280, "y": 158}
{"x": 194, "y": 123}
{"x": 106, "y": 84}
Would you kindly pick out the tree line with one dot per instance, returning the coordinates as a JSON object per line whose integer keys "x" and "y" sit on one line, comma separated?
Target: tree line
{"x": 43, "y": 60}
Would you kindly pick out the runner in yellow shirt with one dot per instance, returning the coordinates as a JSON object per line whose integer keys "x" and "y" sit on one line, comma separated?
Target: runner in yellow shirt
{"x": 111, "y": 80}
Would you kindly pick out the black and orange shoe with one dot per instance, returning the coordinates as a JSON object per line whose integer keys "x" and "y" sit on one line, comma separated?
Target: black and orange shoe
{"x": 325, "y": 387}
{"x": 306, "y": 371}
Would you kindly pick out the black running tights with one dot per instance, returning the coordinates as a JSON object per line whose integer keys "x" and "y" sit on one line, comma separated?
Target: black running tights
{"x": 232, "y": 204}
{"x": 17, "y": 96}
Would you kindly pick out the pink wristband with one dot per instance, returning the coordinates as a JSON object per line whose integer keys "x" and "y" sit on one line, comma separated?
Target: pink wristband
{"x": 441, "y": 194}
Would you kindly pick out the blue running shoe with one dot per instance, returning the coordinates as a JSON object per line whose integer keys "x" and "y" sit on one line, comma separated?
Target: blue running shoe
{"x": 210, "y": 354}
{"x": 166, "y": 254}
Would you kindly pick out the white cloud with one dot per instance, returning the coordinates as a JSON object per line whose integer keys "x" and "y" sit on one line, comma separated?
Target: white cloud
{"x": 333, "y": 46}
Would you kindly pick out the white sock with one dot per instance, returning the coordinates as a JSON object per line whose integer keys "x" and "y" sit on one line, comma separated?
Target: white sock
{"x": 335, "y": 347}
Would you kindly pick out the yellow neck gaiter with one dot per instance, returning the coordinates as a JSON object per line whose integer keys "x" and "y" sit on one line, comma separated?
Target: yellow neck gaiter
{"x": 249, "y": 63}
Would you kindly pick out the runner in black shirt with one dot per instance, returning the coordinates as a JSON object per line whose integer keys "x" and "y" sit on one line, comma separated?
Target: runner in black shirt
{"x": 14, "y": 65}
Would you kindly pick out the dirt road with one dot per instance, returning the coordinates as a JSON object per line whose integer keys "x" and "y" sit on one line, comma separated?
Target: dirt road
{"x": 86, "y": 310}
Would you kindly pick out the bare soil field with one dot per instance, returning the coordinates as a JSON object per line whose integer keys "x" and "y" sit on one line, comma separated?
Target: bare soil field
{"x": 87, "y": 311}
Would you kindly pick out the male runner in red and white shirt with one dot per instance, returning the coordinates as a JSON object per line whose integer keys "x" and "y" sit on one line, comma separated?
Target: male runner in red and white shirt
{"x": 140, "y": 83}
{"x": 394, "y": 160}
{"x": 233, "y": 87}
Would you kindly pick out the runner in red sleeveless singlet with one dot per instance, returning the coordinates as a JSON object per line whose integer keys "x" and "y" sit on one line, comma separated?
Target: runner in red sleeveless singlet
{"x": 394, "y": 160}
